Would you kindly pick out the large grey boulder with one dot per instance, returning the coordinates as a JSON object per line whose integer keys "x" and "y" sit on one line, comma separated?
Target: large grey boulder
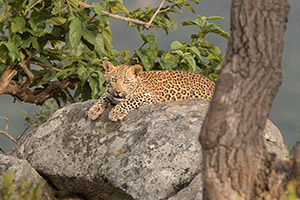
{"x": 153, "y": 153}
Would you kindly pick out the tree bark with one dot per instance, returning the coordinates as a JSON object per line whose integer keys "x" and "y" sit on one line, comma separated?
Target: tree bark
{"x": 232, "y": 133}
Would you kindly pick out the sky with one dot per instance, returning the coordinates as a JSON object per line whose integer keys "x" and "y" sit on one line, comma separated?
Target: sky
{"x": 285, "y": 112}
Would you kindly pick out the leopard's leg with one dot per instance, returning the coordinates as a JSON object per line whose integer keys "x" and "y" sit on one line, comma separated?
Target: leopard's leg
{"x": 99, "y": 107}
{"x": 130, "y": 103}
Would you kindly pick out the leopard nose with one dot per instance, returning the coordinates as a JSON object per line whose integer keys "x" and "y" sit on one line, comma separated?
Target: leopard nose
{"x": 118, "y": 93}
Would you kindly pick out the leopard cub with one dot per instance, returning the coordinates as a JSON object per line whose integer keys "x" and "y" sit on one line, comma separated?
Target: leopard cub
{"x": 129, "y": 87}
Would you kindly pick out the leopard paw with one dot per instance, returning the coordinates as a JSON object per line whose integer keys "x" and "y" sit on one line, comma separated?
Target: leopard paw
{"x": 95, "y": 111}
{"x": 116, "y": 116}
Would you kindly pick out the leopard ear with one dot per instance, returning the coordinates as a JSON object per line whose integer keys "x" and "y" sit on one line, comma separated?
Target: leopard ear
{"x": 108, "y": 66}
{"x": 136, "y": 69}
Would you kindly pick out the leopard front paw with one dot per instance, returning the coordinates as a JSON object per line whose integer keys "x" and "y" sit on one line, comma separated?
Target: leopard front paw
{"x": 95, "y": 111}
{"x": 115, "y": 115}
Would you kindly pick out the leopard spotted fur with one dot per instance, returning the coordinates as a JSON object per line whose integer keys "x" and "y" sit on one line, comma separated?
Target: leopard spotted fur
{"x": 129, "y": 87}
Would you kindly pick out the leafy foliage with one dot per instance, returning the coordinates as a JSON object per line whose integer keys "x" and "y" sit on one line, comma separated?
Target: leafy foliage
{"x": 24, "y": 191}
{"x": 66, "y": 42}
{"x": 198, "y": 55}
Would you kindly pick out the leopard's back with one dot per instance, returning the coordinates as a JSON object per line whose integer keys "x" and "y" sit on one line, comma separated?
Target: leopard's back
{"x": 176, "y": 85}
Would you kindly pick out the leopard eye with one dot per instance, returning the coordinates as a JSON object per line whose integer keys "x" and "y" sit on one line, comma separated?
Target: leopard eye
{"x": 125, "y": 82}
{"x": 113, "y": 80}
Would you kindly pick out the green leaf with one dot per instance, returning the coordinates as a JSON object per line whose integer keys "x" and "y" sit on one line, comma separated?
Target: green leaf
{"x": 146, "y": 58}
{"x": 57, "y": 21}
{"x": 56, "y": 31}
{"x": 89, "y": 36}
{"x": 100, "y": 77}
{"x": 75, "y": 32}
{"x": 14, "y": 27}
{"x": 86, "y": 91}
{"x": 194, "y": 50}
{"x": 170, "y": 61}
{"x": 94, "y": 87}
{"x": 59, "y": 6}
{"x": 26, "y": 42}
{"x": 174, "y": 23}
{"x": 214, "y": 57}
{"x": 197, "y": 22}
{"x": 20, "y": 22}
{"x": 218, "y": 67}
{"x": 213, "y": 77}
{"x": 214, "y": 17}
{"x": 83, "y": 74}
{"x": 73, "y": 4}
{"x": 31, "y": 4}
{"x": 35, "y": 44}
{"x": 190, "y": 60}
{"x": 215, "y": 51}
{"x": 44, "y": 60}
{"x": 151, "y": 40}
{"x": 107, "y": 37}
{"x": 176, "y": 45}
{"x": 4, "y": 54}
{"x": 217, "y": 29}
{"x": 179, "y": 52}
{"x": 99, "y": 43}
{"x": 2, "y": 15}
{"x": 168, "y": 55}
{"x": 98, "y": 8}
{"x": 78, "y": 50}
{"x": 13, "y": 51}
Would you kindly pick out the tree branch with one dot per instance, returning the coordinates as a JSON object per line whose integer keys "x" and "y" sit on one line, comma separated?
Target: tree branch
{"x": 44, "y": 65}
{"x": 29, "y": 74}
{"x": 6, "y": 77}
{"x": 6, "y": 131}
{"x": 37, "y": 95}
{"x": 136, "y": 21}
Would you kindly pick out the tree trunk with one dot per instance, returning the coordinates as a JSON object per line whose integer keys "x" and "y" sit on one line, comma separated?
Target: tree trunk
{"x": 232, "y": 133}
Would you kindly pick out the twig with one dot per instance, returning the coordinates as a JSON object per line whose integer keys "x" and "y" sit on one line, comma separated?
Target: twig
{"x": 44, "y": 65}
{"x": 136, "y": 21}
{"x": 5, "y": 132}
{"x": 156, "y": 12}
{"x": 135, "y": 53}
{"x": 91, "y": 19}
{"x": 70, "y": 95}
{"x": 29, "y": 125}
{"x": 85, "y": 5}
{"x": 2, "y": 150}
{"x": 165, "y": 10}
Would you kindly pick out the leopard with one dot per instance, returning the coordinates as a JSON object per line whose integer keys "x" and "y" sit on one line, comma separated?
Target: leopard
{"x": 130, "y": 87}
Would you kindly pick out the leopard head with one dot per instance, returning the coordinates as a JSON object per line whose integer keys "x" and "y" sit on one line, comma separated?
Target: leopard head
{"x": 122, "y": 79}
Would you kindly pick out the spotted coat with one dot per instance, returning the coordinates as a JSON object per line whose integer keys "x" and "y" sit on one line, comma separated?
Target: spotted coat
{"x": 129, "y": 87}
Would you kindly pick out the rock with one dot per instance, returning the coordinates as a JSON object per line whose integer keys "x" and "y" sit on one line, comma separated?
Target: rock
{"x": 23, "y": 171}
{"x": 153, "y": 153}
{"x": 274, "y": 142}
